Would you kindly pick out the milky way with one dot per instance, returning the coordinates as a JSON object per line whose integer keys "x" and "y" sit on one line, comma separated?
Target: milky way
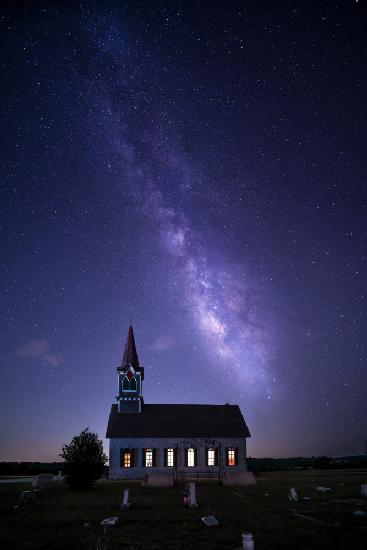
{"x": 226, "y": 306}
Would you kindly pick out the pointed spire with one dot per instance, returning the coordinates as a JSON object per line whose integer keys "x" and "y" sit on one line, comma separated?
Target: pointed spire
{"x": 130, "y": 356}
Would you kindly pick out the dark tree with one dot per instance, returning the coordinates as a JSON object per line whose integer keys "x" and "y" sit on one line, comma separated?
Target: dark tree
{"x": 84, "y": 460}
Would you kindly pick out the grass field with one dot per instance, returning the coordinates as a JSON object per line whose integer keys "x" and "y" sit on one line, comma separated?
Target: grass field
{"x": 158, "y": 520}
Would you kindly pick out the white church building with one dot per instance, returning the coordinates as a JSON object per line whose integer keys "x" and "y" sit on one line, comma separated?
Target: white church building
{"x": 189, "y": 442}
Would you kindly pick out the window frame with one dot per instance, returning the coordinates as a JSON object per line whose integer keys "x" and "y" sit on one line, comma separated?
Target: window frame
{"x": 190, "y": 453}
{"x": 231, "y": 456}
{"x": 170, "y": 454}
{"x": 126, "y": 459}
{"x": 127, "y": 384}
{"x": 211, "y": 458}
{"x": 148, "y": 453}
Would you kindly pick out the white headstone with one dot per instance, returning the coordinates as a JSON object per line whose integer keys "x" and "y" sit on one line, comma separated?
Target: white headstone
{"x": 293, "y": 495}
{"x": 248, "y": 541}
{"x": 210, "y": 521}
{"x": 109, "y": 522}
{"x": 192, "y": 496}
{"x": 125, "y": 500}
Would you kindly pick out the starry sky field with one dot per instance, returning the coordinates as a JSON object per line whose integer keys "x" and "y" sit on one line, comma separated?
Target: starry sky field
{"x": 200, "y": 166}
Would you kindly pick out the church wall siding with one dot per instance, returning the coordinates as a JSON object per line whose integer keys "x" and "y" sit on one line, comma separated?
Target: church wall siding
{"x": 139, "y": 471}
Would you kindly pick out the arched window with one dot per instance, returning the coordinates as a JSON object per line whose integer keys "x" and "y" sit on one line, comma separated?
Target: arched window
{"x": 148, "y": 458}
{"x": 170, "y": 457}
{"x": 211, "y": 457}
{"x": 191, "y": 457}
{"x": 127, "y": 458}
{"x": 231, "y": 456}
{"x": 129, "y": 385}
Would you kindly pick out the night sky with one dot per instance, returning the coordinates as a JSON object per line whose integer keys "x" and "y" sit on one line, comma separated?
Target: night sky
{"x": 200, "y": 166}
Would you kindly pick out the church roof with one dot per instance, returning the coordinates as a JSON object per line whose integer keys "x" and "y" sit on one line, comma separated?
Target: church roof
{"x": 179, "y": 421}
{"x": 130, "y": 356}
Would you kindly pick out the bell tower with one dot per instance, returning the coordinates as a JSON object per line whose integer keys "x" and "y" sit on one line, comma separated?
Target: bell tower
{"x": 130, "y": 378}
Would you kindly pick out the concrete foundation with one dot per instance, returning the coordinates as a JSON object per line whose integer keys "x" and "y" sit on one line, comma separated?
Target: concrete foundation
{"x": 239, "y": 478}
{"x": 158, "y": 480}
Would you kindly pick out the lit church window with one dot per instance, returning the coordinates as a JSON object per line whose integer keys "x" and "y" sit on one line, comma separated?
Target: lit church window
{"x": 148, "y": 458}
{"x": 190, "y": 457}
{"x": 211, "y": 457}
{"x": 170, "y": 457}
{"x": 127, "y": 458}
{"x": 231, "y": 458}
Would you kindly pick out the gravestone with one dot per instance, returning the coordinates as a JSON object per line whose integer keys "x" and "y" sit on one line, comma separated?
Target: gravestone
{"x": 293, "y": 495}
{"x": 210, "y": 521}
{"x": 248, "y": 541}
{"x": 192, "y": 495}
{"x": 109, "y": 522}
{"x": 125, "y": 501}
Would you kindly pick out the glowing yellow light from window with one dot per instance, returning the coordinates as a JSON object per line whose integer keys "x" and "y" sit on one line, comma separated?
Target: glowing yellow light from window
{"x": 211, "y": 457}
{"x": 148, "y": 458}
{"x": 190, "y": 457}
{"x": 127, "y": 458}
{"x": 170, "y": 457}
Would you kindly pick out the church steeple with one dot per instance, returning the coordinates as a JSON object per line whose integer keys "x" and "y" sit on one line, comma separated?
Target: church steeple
{"x": 130, "y": 356}
{"x": 130, "y": 377}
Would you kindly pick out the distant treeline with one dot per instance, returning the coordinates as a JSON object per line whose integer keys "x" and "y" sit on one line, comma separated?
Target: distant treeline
{"x": 29, "y": 468}
{"x": 302, "y": 463}
{"x": 253, "y": 464}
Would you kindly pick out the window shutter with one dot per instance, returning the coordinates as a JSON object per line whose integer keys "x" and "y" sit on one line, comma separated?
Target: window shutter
{"x": 227, "y": 448}
{"x": 154, "y": 457}
{"x": 236, "y": 456}
{"x": 132, "y": 463}
{"x": 165, "y": 457}
{"x": 122, "y": 457}
{"x": 195, "y": 456}
{"x": 216, "y": 456}
{"x": 206, "y": 456}
{"x": 175, "y": 456}
{"x": 186, "y": 456}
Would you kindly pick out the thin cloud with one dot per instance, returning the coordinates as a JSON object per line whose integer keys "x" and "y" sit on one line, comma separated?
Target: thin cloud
{"x": 39, "y": 349}
{"x": 162, "y": 343}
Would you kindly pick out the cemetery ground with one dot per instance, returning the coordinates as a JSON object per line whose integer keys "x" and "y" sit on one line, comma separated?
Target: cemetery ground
{"x": 157, "y": 518}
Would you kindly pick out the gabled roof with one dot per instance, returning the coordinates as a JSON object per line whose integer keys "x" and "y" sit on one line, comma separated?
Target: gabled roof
{"x": 130, "y": 356}
{"x": 184, "y": 421}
